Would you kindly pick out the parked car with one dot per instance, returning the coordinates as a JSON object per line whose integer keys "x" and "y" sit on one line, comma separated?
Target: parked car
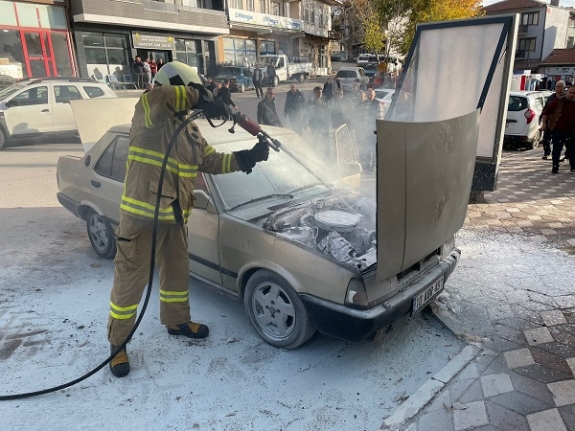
{"x": 523, "y": 118}
{"x": 339, "y": 56}
{"x": 362, "y": 60}
{"x": 34, "y": 107}
{"x": 352, "y": 76}
{"x": 371, "y": 70}
{"x": 298, "y": 250}
{"x": 240, "y": 77}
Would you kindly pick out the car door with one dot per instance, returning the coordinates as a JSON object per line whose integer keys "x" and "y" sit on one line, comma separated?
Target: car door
{"x": 107, "y": 180}
{"x": 203, "y": 231}
{"x": 29, "y": 111}
{"x": 516, "y": 123}
{"x": 63, "y": 117}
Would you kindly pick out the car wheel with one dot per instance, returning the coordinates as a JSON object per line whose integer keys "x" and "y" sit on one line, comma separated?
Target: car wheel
{"x": 534, "y": 143}
{"x": 276, "y": 81}
{"x": 242, "y": 88}
{"x": 2, "y": 139}
{"x": 101, "y": 235}
{"x": 301, "y": 77}
{"x": 276, "y": 312}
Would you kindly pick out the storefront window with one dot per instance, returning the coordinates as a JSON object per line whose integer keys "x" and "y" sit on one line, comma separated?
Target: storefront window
{"x": 239, "y": 51}
{"x": 11, "y": 48}
{"x": 106, "y": 54}
{"x": 267, "y": 47}
{"x": 7, "y": 14}
{"x": 189, "y": 52}
{"x": 27, "y": 15}
{"x": 93, "y": 39}
{"x": 60, "y": 47}
{"x": 116, "y": 41}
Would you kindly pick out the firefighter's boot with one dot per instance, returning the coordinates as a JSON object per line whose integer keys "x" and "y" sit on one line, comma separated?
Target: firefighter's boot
{"x": 190, "y": 330}
{"x": 120, "y": 365}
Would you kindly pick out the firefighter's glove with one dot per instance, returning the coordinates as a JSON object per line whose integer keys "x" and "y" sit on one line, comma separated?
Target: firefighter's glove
{"x": 206, "y": 97}
{"x": 247, "y": 159}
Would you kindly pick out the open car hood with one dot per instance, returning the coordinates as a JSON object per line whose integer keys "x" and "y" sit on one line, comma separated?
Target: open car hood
{"x": 94, "y": 117}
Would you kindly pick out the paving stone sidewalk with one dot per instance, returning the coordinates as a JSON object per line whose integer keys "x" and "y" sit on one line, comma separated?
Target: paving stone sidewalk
{"x": 514, "y": 298}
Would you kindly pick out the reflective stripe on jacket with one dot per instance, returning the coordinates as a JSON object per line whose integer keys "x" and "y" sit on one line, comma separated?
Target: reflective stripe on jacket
{"x": 154, "y": 122}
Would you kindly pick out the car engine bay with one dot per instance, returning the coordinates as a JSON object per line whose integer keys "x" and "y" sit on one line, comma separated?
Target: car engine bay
{"x": 341, "y": 228}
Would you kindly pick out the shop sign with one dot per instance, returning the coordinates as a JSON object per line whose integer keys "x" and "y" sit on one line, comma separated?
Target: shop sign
{"x": 274, "y": 21}
{"x": 153, "y": 41}
{"x": 568, "y": 71}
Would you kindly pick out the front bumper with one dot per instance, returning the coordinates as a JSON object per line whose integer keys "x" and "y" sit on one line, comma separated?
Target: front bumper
{"x": 354, "y": 325}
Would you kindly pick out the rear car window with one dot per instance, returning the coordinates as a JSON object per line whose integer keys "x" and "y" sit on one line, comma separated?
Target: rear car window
{"x": 517, "y": 103}
{"x": 93, "y": 92}
{"x": 112, "y": 162}
{"x": 346, "y": 74}
{"x": 65, "y": 93}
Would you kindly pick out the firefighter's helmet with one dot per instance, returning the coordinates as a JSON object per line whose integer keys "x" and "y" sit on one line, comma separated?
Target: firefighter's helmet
{"x": 177, "y": 73}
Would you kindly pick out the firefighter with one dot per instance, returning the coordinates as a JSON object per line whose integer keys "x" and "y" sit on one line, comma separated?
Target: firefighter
{"x": 177, "y": 90}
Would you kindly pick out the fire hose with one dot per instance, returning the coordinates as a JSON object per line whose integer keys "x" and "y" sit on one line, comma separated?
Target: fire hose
{"x": 238, "y": 118}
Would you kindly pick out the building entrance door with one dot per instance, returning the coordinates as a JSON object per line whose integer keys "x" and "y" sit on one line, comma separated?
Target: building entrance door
{"x": 38, "y": 54}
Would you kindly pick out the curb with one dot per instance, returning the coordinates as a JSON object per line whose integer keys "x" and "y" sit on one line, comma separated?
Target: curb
{"x": 420, "y": 398}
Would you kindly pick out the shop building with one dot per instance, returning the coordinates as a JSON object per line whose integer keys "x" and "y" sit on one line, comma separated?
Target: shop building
{"x": 559, "y": 66}
{"x": 109, "y": 34}
{"x": 300, "y": 29}
{"x": 35, "y": 41}
{"x": 262, "y": 28}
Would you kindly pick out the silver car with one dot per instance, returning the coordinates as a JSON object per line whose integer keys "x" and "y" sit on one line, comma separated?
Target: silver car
{"x": 290, "y": 241}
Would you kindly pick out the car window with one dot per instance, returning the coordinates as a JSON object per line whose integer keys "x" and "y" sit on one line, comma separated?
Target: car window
{"x": 517, "y": 103}
{"x": 33, "y": 96}
{"x": 283, "y": 174}
{"x": 93, "y": 92}
{"x": 346, "y": 74}
{"x": 112, "y": 162}
{"x": 65, "y": 93}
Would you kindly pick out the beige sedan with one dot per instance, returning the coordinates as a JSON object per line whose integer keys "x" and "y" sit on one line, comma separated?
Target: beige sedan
{"x": 287, "y": 240}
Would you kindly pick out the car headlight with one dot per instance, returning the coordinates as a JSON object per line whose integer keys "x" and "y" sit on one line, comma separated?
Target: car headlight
{"x": 446, "y": 249}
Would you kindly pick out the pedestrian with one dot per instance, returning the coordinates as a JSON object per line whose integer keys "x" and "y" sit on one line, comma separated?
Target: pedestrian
{"x": 370, "y": 111}
{"x": 148, "y": 72}
{"x": 293, "y": 108}
{"x": 177, "y": 86}
{"x": 159, "y": 64}
{"x": 257, "y": 77}
{"x": 340, "y": 109}
{"x": 267, "y": 113}
{"x": 318, "y": 122}
{"x": 153, "y": 67}
{"x": 216, "y": 90}
{"x": 559, "y": 117}
{"x": 211, "y": 85}
{"x": 271, "y": 74}
{"x": 225, "y": 94}
{"x": 559, "y": 92}
{"x": 328, "y": 90}
{"x": 138, "y": 67}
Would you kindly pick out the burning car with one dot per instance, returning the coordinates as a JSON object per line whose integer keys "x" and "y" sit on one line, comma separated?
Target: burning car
{"x": 289, "y": 241}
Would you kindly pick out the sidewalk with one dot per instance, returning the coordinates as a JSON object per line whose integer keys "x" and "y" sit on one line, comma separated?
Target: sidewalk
{"x": 512, "y": 299}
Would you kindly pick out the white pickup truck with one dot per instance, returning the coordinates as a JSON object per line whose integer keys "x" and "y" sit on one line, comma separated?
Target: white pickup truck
{"x": 284, "y": 69}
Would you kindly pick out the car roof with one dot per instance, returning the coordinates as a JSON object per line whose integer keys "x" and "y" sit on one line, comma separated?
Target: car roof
{"x": 220, "y": 135}
{"x": 30, "y": 81}
{"x": 527, "y": 93}
{"x": 349, "y": 68}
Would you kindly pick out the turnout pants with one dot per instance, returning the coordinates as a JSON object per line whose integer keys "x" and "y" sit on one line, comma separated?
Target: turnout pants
{"x": 134, "y": 242}
{"x": 560, "y": 139}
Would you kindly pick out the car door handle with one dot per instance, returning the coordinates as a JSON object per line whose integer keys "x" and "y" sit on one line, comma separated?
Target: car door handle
{"x": 45, "y": 110}
{"x": 95, "y": 183}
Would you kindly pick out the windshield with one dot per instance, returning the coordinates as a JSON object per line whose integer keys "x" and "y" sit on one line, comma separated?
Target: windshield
{"x": 346, "y": 74}
{"x": 278, "y": 178}
{"x": 10, "y": 90}
{"x": 232, "y": 71}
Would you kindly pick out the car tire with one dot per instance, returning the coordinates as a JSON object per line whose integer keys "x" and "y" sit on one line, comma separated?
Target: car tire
{"x": 301, "y": 77}
{"x": 242, "y": 88}
{"x": 534, "y": 143}
{"x": 2, "y": 139}
{"x": 267, "y": 299}
{"x": 276, "y": 81}
{"x": 101, "y": 235}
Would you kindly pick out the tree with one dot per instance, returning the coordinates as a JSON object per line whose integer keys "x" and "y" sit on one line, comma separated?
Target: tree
{"x": 422, "y": 11}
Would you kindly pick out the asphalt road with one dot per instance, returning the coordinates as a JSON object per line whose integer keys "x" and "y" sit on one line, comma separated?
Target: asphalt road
{"x": 54, "y": 295}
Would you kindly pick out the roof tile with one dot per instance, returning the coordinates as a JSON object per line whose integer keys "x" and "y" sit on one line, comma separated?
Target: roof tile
{"x": 512, "y": 5}
{"x": 561, "y": 57}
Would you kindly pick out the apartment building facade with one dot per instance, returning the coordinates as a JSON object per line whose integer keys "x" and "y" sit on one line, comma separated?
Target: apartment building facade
{"x": 109, "y": 34}
{"x": 300, "y": 29}
{"x": 543, "y": 27}
{"x": 35, "y": 40}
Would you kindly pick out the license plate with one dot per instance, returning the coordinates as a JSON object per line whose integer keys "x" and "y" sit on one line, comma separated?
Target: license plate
{"x": 427, "y": 295}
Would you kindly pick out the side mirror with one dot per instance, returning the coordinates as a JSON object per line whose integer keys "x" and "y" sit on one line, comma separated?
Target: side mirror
{"x": 13, "y": 103}
{"x": 203, "y": 202}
